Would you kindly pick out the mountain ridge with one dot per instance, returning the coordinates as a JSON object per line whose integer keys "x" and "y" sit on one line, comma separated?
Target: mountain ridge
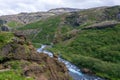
{"x": 26, "y": 18}
{"x": 64, "y": 10}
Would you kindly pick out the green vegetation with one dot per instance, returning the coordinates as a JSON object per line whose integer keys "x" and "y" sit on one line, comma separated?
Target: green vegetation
{"x": 16, "y": 65}
{"x": 14, "y": 73}
{"x": 95, "y": 49}
{"x": 5, "y": 37}
{"x": 14, "y": 24}
{"x": 98, "y": 50}
{"x": 47, "y": 30}
{"x": 61, "y": 25}
{"x": 112, "y": 12}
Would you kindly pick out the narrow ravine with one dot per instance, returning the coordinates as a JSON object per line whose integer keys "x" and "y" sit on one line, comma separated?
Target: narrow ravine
{"x": 74, "y": 71}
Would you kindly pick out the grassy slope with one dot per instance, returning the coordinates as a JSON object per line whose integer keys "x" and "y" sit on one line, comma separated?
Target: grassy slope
{"x": 11, "y": 75}
{"x": 15, "y": 72}
{"x": 14, "y": 24}
{"x": 98, "y": 50}
{"x": 47, "y": 30}
{"x": 5, "y": 37}
{"x": 66, "y": 22}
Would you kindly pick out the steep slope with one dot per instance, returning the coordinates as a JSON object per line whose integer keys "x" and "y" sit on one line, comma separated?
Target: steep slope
{"x": 20, "y": 61}
{"x": 87, "y": 38}
{"x": 94, "y": 49}
{"x": 46, "y": 31}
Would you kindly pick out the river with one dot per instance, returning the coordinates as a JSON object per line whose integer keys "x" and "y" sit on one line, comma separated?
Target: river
{"x": 74, "y": 71}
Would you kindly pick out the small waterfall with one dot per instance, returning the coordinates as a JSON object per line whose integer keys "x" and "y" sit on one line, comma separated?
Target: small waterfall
{"x": 74, "y": 71}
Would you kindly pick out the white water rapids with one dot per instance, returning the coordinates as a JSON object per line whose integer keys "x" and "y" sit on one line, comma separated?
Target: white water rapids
{"x": 74, "y": 71}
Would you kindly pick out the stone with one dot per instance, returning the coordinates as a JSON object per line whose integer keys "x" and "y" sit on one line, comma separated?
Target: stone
{"x": 86, "y": 71}
{"x": 4, "y": 28}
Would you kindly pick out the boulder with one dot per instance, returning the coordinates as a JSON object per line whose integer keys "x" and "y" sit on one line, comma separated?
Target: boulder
{"x": 86, "y": 71}
{"x": 5, "y": 28}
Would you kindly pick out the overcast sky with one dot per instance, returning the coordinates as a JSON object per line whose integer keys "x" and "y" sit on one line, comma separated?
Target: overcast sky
{"x": 17, "y": 6}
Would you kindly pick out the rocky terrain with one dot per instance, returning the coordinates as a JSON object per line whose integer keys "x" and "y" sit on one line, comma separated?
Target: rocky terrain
{"x": 18, "y": 55}
{"x": 63, "y": 10}
{"x": 103, "y": 25}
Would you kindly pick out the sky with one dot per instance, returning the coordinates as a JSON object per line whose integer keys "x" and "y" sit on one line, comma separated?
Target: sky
{"x": 17, "y": 6}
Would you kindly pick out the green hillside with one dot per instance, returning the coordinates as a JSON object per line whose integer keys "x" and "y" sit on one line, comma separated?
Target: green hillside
{"x": 14, "y": 24}
{"x": 97, "y": 49}
{"x": 61, "y": 24}
{"x": 46, "y": 30}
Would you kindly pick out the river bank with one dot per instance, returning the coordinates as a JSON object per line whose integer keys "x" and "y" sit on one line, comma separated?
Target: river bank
{"x": 74, "y": 71}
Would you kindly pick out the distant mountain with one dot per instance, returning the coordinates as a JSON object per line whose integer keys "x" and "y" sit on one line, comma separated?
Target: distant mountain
{"x": 25, "y": 18}
{"x": 63, "y": 10}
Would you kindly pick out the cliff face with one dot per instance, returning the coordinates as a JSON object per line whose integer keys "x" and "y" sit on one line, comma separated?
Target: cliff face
{"x": 31, "y": 64}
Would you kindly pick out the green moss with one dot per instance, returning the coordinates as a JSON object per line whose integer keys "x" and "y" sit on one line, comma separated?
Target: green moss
{"x": 12, "y": 75}
{"x": 1, "y": 58}
{"x": 15, "y": 73}
{"x": 14, "y": 64}
{"x": 5, "y": 37}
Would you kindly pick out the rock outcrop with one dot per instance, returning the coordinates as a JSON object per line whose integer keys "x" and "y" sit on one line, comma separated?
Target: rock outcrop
{"x": 63, "y": 10}
{"x": 102, "y": 25}
{"x": 33, "y": 64}
{"x": 4, "y": 28}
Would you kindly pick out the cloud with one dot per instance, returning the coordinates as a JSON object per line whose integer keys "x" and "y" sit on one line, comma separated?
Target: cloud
{"x": 17, "y": 6}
